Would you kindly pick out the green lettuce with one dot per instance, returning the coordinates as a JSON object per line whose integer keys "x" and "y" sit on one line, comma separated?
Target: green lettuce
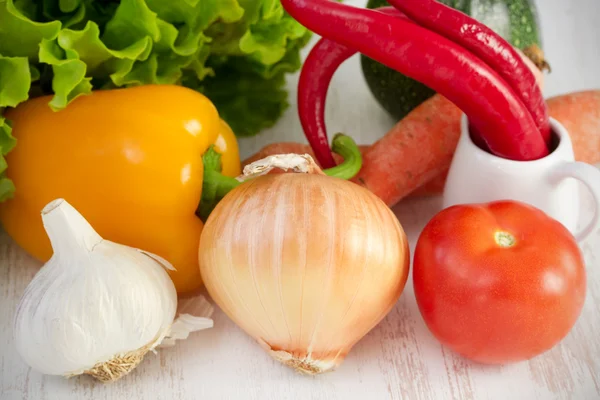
{"x": 236, "y": 52}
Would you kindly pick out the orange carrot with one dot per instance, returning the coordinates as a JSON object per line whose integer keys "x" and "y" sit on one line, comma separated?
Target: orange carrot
{"x": 416, "y": 150}
{"x": 432, "y": 188}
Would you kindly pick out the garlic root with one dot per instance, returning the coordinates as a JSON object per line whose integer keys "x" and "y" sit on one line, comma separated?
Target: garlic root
{"x": 194, "y": 315}
{"x": 117, "y": 367}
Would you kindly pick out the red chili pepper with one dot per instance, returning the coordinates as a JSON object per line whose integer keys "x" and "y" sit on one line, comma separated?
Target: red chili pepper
{"x": 318, "y": 69}
{"x": 487, "y": 45}
{"x": 491, "y": 105}
{"x": 315, "y": 77}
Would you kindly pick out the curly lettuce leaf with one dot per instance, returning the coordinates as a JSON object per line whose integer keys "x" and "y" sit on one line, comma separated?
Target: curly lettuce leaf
{"x": 251, "y": 96}
{"x": 268, "y": 35}
{"x": 13, "y": 23}
{"x": 15, "y": 80}
{"x": 7, "y": 142}
{"x": 237, "y": 52}
{"x": 69, "y": 75}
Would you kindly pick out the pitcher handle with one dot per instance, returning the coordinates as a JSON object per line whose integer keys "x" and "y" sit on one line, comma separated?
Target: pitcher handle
{"x": 589, "y": 175}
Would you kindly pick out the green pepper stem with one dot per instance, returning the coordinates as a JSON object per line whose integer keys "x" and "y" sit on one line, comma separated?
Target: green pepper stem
{"x": 215, "y": 185}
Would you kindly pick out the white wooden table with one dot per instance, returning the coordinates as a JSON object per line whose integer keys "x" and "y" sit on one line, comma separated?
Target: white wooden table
{"x": 399, "y": 359}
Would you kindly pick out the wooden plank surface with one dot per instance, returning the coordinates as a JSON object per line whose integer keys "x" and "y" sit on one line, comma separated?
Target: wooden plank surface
{"x": 399, "y": 359}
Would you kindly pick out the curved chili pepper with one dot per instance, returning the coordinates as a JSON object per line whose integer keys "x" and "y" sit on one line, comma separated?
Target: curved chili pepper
{"x": 487, "y": 45}
{"x": 320, "y": 65}
{"x": 318, "y": 70}
{"x": 491, "y": 105}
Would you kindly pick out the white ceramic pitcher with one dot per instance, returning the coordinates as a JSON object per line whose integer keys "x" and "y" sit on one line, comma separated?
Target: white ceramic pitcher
{"x": 549, "y": 184}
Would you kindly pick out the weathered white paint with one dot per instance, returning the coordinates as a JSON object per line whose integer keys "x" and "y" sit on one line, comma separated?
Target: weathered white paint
{"x": 399, "y": 359}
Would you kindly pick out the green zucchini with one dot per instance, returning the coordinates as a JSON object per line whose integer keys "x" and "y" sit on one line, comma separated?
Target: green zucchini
{"x": 514, "y": 20}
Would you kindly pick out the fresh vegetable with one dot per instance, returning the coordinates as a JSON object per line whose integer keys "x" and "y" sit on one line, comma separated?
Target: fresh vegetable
{"x": 487, "y": 45}
{"x": 312, "y": 94}
{"x": 413, "y": 152}
{"x": 514, "y": 20}
{"x": 306, "y": 264}
{"x": 128, "y": 162}
{"x": 236, "y": 52}
{"x": 98, "y": 307}
{"x": 315, "y": 77}
{"x": 492, "y": 106}
{"x": 319, "y": 67}
{"x": 432, "y": 188}
{"x": 490, "y": 287}
{"x": 396, "y": 165}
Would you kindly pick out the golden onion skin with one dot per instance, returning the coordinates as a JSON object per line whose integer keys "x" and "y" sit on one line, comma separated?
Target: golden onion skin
{"x": 306, "y": 264}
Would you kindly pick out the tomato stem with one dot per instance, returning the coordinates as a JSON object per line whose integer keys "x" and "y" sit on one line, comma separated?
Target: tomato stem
{"x": 504, "y": 239}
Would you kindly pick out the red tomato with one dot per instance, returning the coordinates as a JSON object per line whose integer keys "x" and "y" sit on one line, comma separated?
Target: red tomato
{"x": 498, "y": 282}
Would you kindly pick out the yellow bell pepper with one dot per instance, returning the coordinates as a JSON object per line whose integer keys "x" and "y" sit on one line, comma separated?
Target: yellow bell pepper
{"x": 130, "y": 160}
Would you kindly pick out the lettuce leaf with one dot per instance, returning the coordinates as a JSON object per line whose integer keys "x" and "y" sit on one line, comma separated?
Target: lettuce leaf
{"x": 7, "y": 142}
{"x": 237, "y": 52}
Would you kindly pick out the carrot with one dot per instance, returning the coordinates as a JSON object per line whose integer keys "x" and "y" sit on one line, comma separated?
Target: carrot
{"x": 432, "y": 188}
{"x": 416, "y": 150}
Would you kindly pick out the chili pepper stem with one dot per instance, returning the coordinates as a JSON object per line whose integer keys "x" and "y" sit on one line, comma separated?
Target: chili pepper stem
{"x": 216, "y": 185}
{"x": 346, "y": 147}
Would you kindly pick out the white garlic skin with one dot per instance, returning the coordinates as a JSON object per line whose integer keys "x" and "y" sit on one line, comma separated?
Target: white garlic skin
{"x": 93, "y": 300}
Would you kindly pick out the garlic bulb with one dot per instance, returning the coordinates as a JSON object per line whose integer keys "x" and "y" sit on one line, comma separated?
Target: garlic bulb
{"x": 304, "y": 263}
{"x": 97, "y": 307}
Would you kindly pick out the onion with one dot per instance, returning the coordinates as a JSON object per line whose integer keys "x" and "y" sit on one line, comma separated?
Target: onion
{"x": 307, "y": 264}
